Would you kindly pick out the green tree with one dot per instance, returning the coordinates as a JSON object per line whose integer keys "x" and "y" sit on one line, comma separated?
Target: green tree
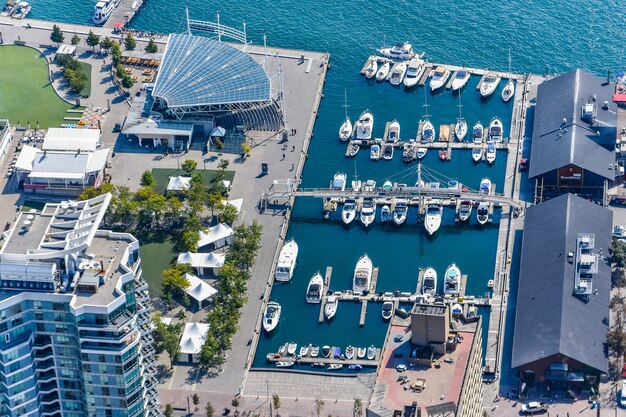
{"x": 357, "y": 409}
{"x": 174, "y": 280}
{"x": 106, "y": 44}
{"x": 147, "y": 179}
{"x": 92, "y": 40}
{"x": 616, "y": 341}
{"x": 151, "y": 47}
{"x": 189, "y": 241}
{"x": 196, "y": 401}
{"x": 618, "y": 251}
{"x": 276, "y": 402}
{"x": 245, "y": 149}
{"x": 129, "y": 42}
{"x": 169, "y": 410}
{"x": 171, "y": 345}
{"x": 227, "y": 213}
{"x": 223, "y": 164}
{"x": 57, "y": 36}
{"x": 189, "y": 165}
{"x": 319, "y": 405}
{"x": 127, "y": 81}
{"x": 75, "y": 40}
{"x": 92, "y": 192}
{"x": 235, "y": 403}
{"x": 209, "y": 409}
{"x": 116, "y": 53}
{"x": 218, "y": 143}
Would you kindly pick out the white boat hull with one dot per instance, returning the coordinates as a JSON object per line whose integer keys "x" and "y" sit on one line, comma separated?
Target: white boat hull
{"x": 430, "y": 275}
{"x": 345, "y": 131}
{"x": 509, "y": 91}
{"x": 362, "y": 275}
{"x": 460, "y": 130}
{"x": 477, "y": 154}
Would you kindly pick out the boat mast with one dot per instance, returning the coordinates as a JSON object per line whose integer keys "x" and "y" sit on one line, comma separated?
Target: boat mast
{"x": 459, "y": 106}
{"x": 345, "y": 103}
{"x": 426, "y": 116}
{"x": 509, "y": 62}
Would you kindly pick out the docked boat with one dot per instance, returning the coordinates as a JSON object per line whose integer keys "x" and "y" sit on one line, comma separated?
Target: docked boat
{"x": 349, "y": 352}
{"x": 361, "y": 352}
{"x": 397, "y": 74}
{"x": 334, "y": 366}
{"x": 495, "y": 130}
{"x": 368, "y": 211}
{"x": 284, "y": 364}
{"x": 482, "y": 213}
{"x": 429, "y": 281}
{"x": 291, "y": 348}
{"x": 375, "y": 152}
{"x": 315, "y": 289}
{"x": 369, "y": 185}
{"x": 399, "y": 52}
{"x": 345, "y": 131}
{"x": 478, "y": 132}
{"x": 387, "y": 185}
{"x": 385, "y": 214}
{"x": 414, "y": 72}
{"x": 460, "y": 129}
{"x": 371, "y": 352}
{"x": 432, "y": 218}
{"x": 103, "y": 10}
{"x": 477, "y": 154}
{"x": 271, "y": 316}
{"x": 315, "y": 351}
{"x": 326, "y": 351}
{"x": 443, "y": 154}
{"x": 372, "y": 69}
{"x": 421, "y": 152}
{"x": 318, "y": 365}
{"x": 438, "y": 79}
{"x": 465, "y": 210}
{"x": 348, "y": 213}
{"x": 304, "y": 350}
{"x": 286, "y": 261}
{"x": 452, "y": 280}
{"x": 383, "y": 71}
{"x": 400, "y": 212}
{"x": 339, "y": 181}
{"x": 353, "y": 149}
{"x": 460, "y": 79}
{"x": 508, "y": 91}
{"x": 362, "y": 275}
{"x": 428, "y": 131}
{"x": 330, "y": 308}
{"x": 355, "y": 367}
{"x": 388, "y": 152}
{"x": 408, "y": 152}
{"x": 490, "y": 155}
{"x": 23, "y": 8}
{"x": 489, "y": 85}
{"x": 388, "y": 309}
{"x": 485, "y": 186}
{"x": 394, "y": 132}
{"x": 364, "y": 126}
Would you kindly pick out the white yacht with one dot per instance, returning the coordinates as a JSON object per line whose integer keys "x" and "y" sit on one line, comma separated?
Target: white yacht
{"x": 383, "y": 71}
{"x": 315, "y": 289}
{"x": 414, "y": 72}
{"x": 330, "y": 308}
{"x": 490, "y": 155}
{"x": 452, "y": 280}
{"x": 368, "y": 211}
{"x": 439, "y": 76}
{"x": 465, "y": 210}
{"x": 489, "y": 85}
{"x": 508, "y": 91}
{"x": 345, "y": 131}
{"x": 397, "y": 74}
{"x": 271, "y": 316}
{"x": 364, "y": 125}
{"x": 369, "y": 185}
{"x": 428, "y": 131}
{"x": 388, "y": 152}
{"x": 485, "y": 186}
{"x": 362, "y": 275}
{"x": 372, "y": 69}
{"x": 400, "y": 52}
{"x": 421, "y": 152}
{"x": 429, "y": 281}
{"x": 482, "y": 213}
{"x": 478, "y": 132}
{"x": 371, "y": 352}
{"x": 495, "y": 131}
{"x": 393, "y": 135}
{"x": 477, "y": 154}
{"x": 460, "y": 79}
{"x": 348, "y": 213}
{"x": 286, "y": 261}
{"x": 388, "y": 309}
{"x": 375, "y": 151}
{"x": 339, "y": 181}
{"x": 400, "y": 212}
{"x": 103, "y": 10}
{"x": 385, "y": 214}
{"x": 460, "y": 129}
{"x": 432, "y": 218}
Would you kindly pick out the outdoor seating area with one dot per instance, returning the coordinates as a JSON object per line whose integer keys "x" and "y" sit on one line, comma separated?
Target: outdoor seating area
{"x": 140, "y": 62}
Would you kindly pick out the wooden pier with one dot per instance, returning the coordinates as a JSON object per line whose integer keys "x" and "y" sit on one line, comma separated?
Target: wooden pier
{"x": 449, "y": 83}
{"x": 327, "y": 277}
{"x": 124, "y": 12}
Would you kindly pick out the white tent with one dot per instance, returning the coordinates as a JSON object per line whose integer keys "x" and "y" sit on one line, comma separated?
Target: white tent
{"x": 65, "y": 49}
{"x": 199, "y": 290}
{"x": 178, "y": 183}
{"x": 219, "y": 235}
{"x": 191, "y": 343}
{"x": 218, "y": 132}
{"x": 238, "y": 203}
{"x": 202, "y": 261}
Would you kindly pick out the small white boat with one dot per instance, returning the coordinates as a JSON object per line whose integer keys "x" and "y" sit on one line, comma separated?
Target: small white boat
{"x": 400, "y": 52}
{"x": 284, "y": 364}
{"x": 397, "y": 74}
{"x": 478, "y": 133}
{"x": 345, "y": 131}
{"x": 477, "y": 154}
{"x": 394, "y": 132}
{"x": 361, "y": 352}
{"x": 368, "y": 211}
{"x": 286, "y": 261}
{"x": 460, "y": 79}
{"x": 490, "y": 155}
{"x": 304, "y": 350}
{"x": 432, "y": 218}
{"x": 271, "y": 316}
{"x": 465, "y": 210}
{"x": 362, "y": 275}
{"x": 482, "y": 213}
{"x": 364, "y": 126}
{"x": 326, "y": 351}
{"x": 414, "y": 72}
{"x": 353, "y": 149}
{"x": 429, "y": 281}
{"x": 369, "y": 185}
{"x": 383, "y": 71}
{"x": 291, "y": 348}
{"x": 372, "y": 69}
{"x": 387, "y": 185}
{"x": 339, "y": 181}
{"x": 508, "y": 91}
{"x": 315, "y": 351}
{"x": 355, "y": 367}
{"x": 485, "y": 186}
{"x": 348, "y": 213}
{"x": 495, "y": 130}
{"x": 23, "y": 8}
{"x": 375, "y": 152}
{"x": 460, "y": 129}
{"x": 334, "y": 366}
{"x": 318, "y": 365}
{"x": 452, "y": 280}
{"x": 315, "y": 289}
{"x": 385, "y": 214}
{"x": 388, "y": 152}
{"x": 489, "y": 85}
{"x": 428, "y": 131}
{"x": 371, "y": 352}
{"x": 349, "y": 352}
{"x": 421, "y": 153}
{"x": 388, "y": 309}
{"x": 400, "y": 212}
{"x": 438, "y": 79}
{"x": 330, "y": 308}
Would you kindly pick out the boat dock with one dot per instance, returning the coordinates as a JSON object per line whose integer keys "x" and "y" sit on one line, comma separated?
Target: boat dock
{"x": 123, "y": 13}
{"x": 364, "y": 301}
{"x": 371, "y": 363}
{"x": 327, "y": 277}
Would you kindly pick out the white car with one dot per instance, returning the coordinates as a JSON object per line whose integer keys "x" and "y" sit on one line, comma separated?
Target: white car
{"x": 534, "y": 407}
{"x": 619, "y": 232}
{"x": 622, "y": 396}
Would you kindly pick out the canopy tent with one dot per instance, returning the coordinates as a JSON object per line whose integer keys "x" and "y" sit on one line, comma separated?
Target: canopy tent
{"x": 65, "y": 49}
{"x": 219, "y": 236}
{"x": 192, "y": 340}
{"x": 236, "y": 204}
{"x": 202, "y": 261}
{"x": 198, "y": 289}
{"x": 178, "y": 183}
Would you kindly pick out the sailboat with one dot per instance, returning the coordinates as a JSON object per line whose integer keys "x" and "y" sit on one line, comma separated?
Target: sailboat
{"x": 356, "y": 183}
{"x": 460, "y": 129}
{"x": 345, "y": 131}
{"x": 428, "y": 130}
{"x": 509, "y": 89}
{"x": 372, "y": 69}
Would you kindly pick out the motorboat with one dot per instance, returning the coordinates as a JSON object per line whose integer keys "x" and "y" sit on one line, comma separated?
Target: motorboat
{"x": 387, "y": 185}
{"x": 456, "y": 309}
{"x": 385, "y": 214}
{"x": 335, "y": 366}
{"x": 356, "y": 184}
{"x": 372, "y": 69}
{"x": 478, "y": 132}
{"x": 304, "y": 350}
{"x": 485, "y": 186}
{"x": 482, "y": 213}
{"x": 460, "y": 79}
{"x": 432, "y": 218}
{"x": 326, "y": 351}
{"x": 368, "y": 211}
{"x": 489, "y": 85}
{"x": 460, "y": 129}
{"x": 353, "y": 149}
{"x": 369, "y": 185}
{"x": 414, "y": 72}
{"x": 429, "y": 281}
{"x": 291, "y": 348}
{"x": 383, "y": 71}
{"x": 339, "y": 181}
{"x": 495, "y": 130}
{"x": 397, "y": 74}
{"x": 349, "y": 352}
{"x": 286, "y": 261}
{"x": 477, "y": 154}
{"x": 438, "y": 79}
{"x": 421, "y": 152}
{"x": 375, "y": 152}
{"x": 284, "y": 364}
{"x": 103, "y": 10}
{"x": 508, "y": 91}
{"x": 271, "y": 316}
{"x": 355, "y": 367}
{"x": 348, "y": 213}
{"x": 408, "y": 152}
{"x": 394, "y": 132}
{"x": 465, "y": 210}
{"x": 400, "y": 212}
{"x": 345, "y": 131}
{"x": 490, "y": 283}
{"x": 315, "y": 351}
{"x": 330, "y": 308}
{"x": 364, "y": 126}
{"x": 361, "y": 352}
{"x": 428, "y": 131}
{"x": 443, "y": 154}
{"x": 315, "y": 289}
{"x": 318, "y": 365}
{"x": 23, "y": 8}
{"x": 336, "y": 352}
{"x": 362, "y": 275}
{"x": 388, "y": 309}
{"x": 490, "y": 155}
{"x": 400, "y": 52}
{"x": 452, "y": 280}
{"x": 388, "y": 152}
{"x": 371, "y": 352}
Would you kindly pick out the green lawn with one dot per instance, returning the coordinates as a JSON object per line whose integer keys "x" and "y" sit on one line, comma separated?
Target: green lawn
{"x": 162, "y": 176}
{"x": 25, "y": 91}
{"x": 87, "y": 70}
{"x": 155, "y": 257}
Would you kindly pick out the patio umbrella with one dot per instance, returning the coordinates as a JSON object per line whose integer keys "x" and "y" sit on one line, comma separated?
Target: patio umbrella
{"x": 118, "y": 24}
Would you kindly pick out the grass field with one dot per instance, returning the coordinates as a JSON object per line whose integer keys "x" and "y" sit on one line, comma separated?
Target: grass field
{"x": 25, "y": 91}
{"x": 155, "y": 257}
{"x": 87, "y": 70}
{"x": 162, "y": 176}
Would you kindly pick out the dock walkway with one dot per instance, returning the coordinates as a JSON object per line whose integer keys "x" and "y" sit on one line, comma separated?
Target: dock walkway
{"x": 124, "y": 13}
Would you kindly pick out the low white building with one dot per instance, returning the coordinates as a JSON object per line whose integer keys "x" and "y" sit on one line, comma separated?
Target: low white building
{"x": 217, "y": 236}
{"x": 203, "y": 262}
{"x": 191, "y": 342}
{"x": 199, "y": 290}
{"x": 61, "y": 139}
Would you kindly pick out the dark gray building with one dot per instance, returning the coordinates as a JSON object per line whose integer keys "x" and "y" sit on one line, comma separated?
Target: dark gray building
{"x": 564, "y": 292}
{"x": 573, "y": 142}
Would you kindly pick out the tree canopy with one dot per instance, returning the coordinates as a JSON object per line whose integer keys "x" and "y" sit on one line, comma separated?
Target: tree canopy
{"x": 57, "y": 36}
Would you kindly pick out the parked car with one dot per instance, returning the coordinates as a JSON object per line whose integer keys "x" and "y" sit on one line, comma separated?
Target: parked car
{"x": 621, "y": 398}
{"x": 534, "y": 407}
{"x": 619, "y": 232}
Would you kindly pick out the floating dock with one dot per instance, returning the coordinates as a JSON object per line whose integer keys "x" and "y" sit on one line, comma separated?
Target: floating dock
{"x": 123, "y": 13}
{"x": 372, "y": 363}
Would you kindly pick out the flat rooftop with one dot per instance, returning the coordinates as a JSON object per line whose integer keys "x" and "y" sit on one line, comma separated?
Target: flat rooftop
{"x": 27, "y": 235}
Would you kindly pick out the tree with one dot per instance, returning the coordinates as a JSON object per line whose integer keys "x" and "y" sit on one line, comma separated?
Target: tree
{"x": 276, "y": 402}
{"x": 174, "y": 280}
{"x": 151, "y": 47}
{"x": 357, "y": 409}
{"x": 319, "y": 405}
{"x": 235, "y": 403}
{"x": 57, "y": 36}
{"x": 218, "y": 143}
{"x": 181, "y": 315}
{"x": 227, "y": 213}
{"x": 245, "y": 149}
{"x": 171, "y": 344}
{"x": 169, "y": 410}
{"x": 127, "y": 81}
{"x": 189, "y": 166}
{"x": 116, "y": 53}
{"x": 223, "y": 164}
{"x": 147, "y": 179}
{"x": 75, "y": 40}
{"x": 209, "y": 409}
{"x": 106, "y": 44}
{"x": 189, "y": 241}
{"x": 196, "y": 401}
{"x": 616, "y": 340}
{"x": 618, "y": 250}
{"x": 130, "y": 43}
{"x": 92, "y": 40}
